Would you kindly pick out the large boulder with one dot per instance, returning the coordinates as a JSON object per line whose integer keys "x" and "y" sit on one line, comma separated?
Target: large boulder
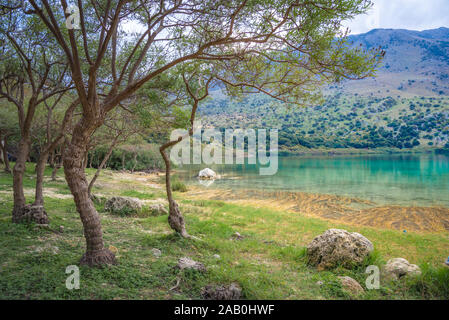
{"x": 338, "y": 247}
{"x": 207, "y": 174}
{"x": 123, "y": 205}
{"x": 399, "y": 267}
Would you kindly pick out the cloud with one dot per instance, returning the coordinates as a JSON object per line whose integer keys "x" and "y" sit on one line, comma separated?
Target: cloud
{"x": 402, "y": 14}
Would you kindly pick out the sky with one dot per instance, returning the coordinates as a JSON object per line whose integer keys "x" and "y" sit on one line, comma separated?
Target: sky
{"x": 402, "y": 14}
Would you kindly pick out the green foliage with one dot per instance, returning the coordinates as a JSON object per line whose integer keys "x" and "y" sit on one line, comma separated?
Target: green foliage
{"x": 143, "y": 157}
{"x": 342, "y": 121}
{"x": 177, "y": 185}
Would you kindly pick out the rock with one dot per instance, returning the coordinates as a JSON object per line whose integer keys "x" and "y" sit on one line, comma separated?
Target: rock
{"x": 158, "y": 209}
{"x": 237, "y": 236}
{"x": 45, "y": 248}
{"x": 123, "y": 205}
{"x": 156, "y": 252}
{"x": 207, "y": 174}
{"x": 351, "y": 285}
{"x": 399, "y": 267}
{"x": 338, "y": 247}
{"x": 187, "y": 263}
{"x": 231, "y": 292}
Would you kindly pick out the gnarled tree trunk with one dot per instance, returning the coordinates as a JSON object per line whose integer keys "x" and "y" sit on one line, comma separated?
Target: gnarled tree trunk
{"x": 74, "y": 156}
{"x": 175, "y": 218}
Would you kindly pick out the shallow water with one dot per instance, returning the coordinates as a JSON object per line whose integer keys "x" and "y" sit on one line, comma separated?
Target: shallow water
{"x": 407, "y": 180}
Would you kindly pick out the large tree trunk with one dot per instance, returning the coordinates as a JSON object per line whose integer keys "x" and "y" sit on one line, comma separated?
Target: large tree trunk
{"x": 175, "y": 218}
{"x": 21, "y": 211}
{"x": 74, "y": 155}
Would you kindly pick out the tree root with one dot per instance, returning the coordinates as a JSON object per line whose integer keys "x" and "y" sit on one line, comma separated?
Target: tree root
{"x": 98, "y": 258}
{"x": 30, "y": 213}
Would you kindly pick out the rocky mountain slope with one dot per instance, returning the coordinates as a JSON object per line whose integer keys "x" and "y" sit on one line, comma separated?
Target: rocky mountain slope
{"x": 405, "y": 106}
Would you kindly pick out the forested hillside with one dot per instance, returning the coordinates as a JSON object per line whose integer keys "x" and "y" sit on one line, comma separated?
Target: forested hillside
{"x": 405, "y": 106}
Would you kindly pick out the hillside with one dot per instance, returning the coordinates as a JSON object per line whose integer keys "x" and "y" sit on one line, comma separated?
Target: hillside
{"x": 416, "y": 63}
{"x": 406, "y": 106}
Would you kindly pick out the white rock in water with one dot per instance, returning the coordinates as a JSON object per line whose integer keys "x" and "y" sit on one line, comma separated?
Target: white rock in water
{"x": 207, "y": 174}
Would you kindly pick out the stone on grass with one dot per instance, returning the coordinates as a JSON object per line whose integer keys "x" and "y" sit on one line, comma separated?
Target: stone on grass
{"x": 338, "y": 247}
{"x": 399, "y": 267}
{"x": 123, "y": 205}
{"x": 351, "y": 285}
{"x": 158, "y": 209}
{"x": 237, "y": 236}
{"x": 221, "y": 292}
{"x": 45, "y": 248}
{"x": 156, "y": 252}
{"x": 187, "y": 263}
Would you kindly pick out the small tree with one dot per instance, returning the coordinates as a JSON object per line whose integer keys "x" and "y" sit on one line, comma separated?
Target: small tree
{"x": 31, "y": 72}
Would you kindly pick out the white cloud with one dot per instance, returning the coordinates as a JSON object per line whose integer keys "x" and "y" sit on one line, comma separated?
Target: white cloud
{"x": 402, "y": 14}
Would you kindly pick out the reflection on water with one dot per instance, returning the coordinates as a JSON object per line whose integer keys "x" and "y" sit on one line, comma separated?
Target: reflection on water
{"x": 411, "y": 180}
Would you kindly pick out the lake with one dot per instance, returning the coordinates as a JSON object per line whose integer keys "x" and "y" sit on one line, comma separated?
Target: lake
{"x": 396, "y": 179}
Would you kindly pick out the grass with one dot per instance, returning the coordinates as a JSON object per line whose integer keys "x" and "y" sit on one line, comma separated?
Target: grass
{"x": 269, "y": 263}
{"x": 177, "y": 185}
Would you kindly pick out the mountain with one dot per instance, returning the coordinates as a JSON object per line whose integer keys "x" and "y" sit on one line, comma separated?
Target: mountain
{"x": 405, "y": 106}
{"x": 416, "y": 63}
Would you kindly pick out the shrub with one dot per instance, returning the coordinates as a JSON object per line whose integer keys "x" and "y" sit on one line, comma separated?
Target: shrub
{"x": 177, "y": 185}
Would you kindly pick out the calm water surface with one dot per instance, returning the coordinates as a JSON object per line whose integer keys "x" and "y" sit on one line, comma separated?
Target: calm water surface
{"x": 411, "y": 180}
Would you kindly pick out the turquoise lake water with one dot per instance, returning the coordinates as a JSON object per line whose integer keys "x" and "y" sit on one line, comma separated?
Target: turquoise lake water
{"x": 409, "y": 180}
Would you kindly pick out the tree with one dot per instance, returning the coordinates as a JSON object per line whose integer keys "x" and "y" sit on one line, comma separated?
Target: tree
{"x": 283, "y": 48}
{"x": 31, "y": 72}
{"x": 52, "y": 142}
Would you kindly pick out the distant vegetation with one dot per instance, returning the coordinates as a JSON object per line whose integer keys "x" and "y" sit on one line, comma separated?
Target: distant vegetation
{"x": 343, "y": 121}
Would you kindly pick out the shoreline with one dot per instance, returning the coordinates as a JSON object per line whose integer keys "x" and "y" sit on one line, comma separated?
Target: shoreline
{"x": 334, "y": 208}
{"x": 351, "y": 151}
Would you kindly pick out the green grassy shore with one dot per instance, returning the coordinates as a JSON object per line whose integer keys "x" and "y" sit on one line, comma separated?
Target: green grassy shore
{"x": 269, "y": 263}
